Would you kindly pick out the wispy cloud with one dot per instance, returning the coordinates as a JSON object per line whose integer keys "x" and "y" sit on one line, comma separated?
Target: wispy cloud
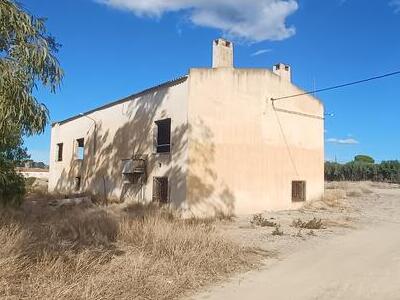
{"x": 346, "y": 141}
{"x": 396, "y": 5}
{"x": 261, "y": 52}
{"x": 248, "y": 20}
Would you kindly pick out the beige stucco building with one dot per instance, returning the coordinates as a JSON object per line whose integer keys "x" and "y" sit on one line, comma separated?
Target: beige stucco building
{"x": 211, "y": 142}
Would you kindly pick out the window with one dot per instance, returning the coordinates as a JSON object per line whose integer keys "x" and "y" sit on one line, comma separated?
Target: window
{"x": 77, "y": 184}
{"x": 298, "y": 191}
{"x": 163, "y": 136}
{"x": 59, "y": 152}
{"x": 80, "y": 148}
{"x": 160, "y": 190}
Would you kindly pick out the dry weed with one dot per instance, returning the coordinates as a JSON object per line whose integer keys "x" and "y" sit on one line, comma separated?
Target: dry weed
{"x": 277, "y": 231}
{"x": 259, "y": 220}
{"x": 98, "y": 253}
{"x": 312, "y": 224}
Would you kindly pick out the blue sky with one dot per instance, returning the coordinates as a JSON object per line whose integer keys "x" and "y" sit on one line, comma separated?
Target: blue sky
{"x": 113, "y": 48}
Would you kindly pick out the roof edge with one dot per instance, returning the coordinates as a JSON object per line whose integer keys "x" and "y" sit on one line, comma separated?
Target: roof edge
{"x": 169, "y": 83}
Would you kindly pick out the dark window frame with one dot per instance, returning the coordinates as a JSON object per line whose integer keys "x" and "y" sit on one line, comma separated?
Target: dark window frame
{"x": 161, "y": 190}
{"x": 299, "y": 191}
{"x": 163, "y": 141}
{"x": 60, "y": 150}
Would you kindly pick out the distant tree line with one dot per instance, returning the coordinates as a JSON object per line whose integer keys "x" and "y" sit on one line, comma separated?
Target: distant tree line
{"x": 363, "y": 168}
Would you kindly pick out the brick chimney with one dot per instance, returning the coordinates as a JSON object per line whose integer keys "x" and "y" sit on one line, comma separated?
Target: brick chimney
{"x": 222, "y": 54}
{"x": 284, "y": 71}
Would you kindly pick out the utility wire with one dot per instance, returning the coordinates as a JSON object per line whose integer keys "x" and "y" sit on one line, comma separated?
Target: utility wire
{"x": 338, "y": 86}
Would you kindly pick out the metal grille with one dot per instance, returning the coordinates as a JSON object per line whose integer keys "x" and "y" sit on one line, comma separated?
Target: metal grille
{"x": 298, "y": 191}
{"x": 160, "y": 190}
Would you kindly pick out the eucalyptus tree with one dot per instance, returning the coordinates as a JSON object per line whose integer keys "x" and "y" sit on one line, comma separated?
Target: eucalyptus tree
{"x": 27, "y": 59}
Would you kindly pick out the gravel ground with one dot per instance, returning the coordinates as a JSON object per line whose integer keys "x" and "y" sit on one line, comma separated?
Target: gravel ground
{"x": 359, "y": 224}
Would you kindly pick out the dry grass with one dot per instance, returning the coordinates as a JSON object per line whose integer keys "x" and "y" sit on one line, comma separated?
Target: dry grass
{"x": 333, "y": 198}
{"x": 98, "y": 253}
{"x": 354, "y": 193}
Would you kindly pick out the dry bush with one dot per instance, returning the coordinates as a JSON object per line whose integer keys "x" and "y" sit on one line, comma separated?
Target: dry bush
{"x": 277, "y": 231}
{"x": 333, "y": 198}
{"x": 259, "y": 220}
{"x": 98, "y": 253}
{"x": 312, "y": 224}
{"x": 337, "y": 185}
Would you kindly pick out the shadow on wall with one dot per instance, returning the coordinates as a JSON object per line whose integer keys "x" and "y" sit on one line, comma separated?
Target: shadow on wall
{"x": 206, "y": 191}
{"x": 101, "y": 169}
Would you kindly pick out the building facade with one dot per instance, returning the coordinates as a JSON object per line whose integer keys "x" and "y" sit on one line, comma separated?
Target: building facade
{"x": 211, "y": 142}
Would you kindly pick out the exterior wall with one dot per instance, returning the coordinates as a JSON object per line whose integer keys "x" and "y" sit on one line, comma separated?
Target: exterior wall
{"x": 35, "y": 174}
{"x": 243, "y": 153}
{"x": 122, "y": 131}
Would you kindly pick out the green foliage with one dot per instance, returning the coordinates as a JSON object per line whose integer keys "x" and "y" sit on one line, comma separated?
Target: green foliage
{"x": 12, "y": 151}
{"x": 26, "y": 59}
{"x": 12, "y": 185}
{"x": 364, "y": 159}
{"x": 386, "y": 171}
{"x": 29, "y": 181}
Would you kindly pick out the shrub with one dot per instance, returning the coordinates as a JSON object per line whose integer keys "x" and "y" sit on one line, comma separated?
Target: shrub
{"x": 312, "y": 224}
{"x": 259, "y": 220}
{"x": 277, "y": 230}
{"x": 30, "y": 181}
{"x": 12, "y": 185}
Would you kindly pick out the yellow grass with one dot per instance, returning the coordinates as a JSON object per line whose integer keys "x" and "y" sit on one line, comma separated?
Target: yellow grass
{"x": 98, "y": 253}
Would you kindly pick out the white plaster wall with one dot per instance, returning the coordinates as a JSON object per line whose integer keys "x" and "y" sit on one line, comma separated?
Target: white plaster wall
{"x": 123, "y": 130}
{"x": 40, "y": 175}
{"x": 243, "y": 154}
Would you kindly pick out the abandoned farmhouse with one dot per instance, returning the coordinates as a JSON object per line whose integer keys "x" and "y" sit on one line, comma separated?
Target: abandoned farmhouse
{"x": 213, "y": 141}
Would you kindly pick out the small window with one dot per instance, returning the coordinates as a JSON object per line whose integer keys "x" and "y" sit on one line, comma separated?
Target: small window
{"x": 77, "y": 184}
{"x": 163, "y": 136}
{"x": 160, "y": 190}
{"x": 287, "y": 68}
{"x": 298, "y": 191}
{"x": 60, "y": 152}
{"x": 80, "y": 148}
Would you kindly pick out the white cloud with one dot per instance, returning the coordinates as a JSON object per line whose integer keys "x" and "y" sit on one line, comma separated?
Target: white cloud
{"x": 261, "y": 52}
{"x": 248, "y": 20}
{"x": 396, "y": 5}
{"x": 347, "y": 141}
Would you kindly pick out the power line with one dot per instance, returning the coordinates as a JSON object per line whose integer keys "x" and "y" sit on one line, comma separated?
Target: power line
{"x": 338, "y": 86}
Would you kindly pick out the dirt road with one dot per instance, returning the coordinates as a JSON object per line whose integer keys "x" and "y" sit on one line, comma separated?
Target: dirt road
{"x": 358, "y": 264}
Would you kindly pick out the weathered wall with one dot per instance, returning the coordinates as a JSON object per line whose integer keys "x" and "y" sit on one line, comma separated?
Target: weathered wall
{"x": 123, "y": 130}
{"x": 243, "y": 153}
{"x": 35, "y": 174}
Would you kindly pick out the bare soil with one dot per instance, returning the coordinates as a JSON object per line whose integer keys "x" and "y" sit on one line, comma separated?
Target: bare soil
{"x": 355, "y": 255}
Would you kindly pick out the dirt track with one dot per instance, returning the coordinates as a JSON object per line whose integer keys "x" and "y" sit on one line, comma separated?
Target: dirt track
{"x": 340, "y": 263}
